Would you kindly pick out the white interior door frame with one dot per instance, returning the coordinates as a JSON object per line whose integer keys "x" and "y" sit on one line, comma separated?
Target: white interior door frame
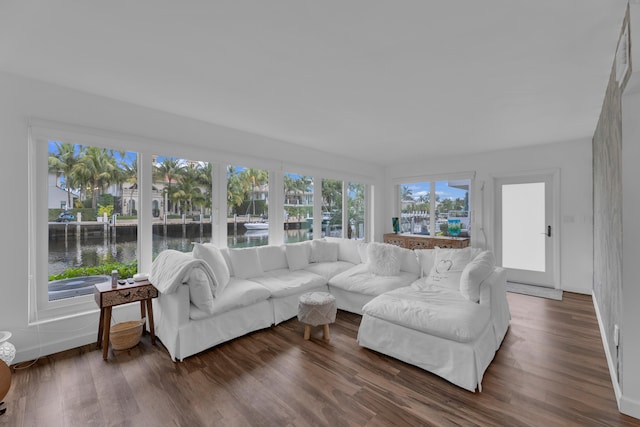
{"x": 548, "y": 175}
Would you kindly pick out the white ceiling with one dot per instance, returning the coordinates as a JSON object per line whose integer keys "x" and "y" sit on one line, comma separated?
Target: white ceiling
{"x": 381, "y": 81}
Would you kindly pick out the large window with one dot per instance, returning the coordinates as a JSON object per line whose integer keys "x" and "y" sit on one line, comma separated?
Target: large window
{"x": 100, "y": 201}
{"x": 92, "y": 224}
{"x": 248, "y": 207}
{"x": 435, "y": 208}
{"x": 181, "y": 203}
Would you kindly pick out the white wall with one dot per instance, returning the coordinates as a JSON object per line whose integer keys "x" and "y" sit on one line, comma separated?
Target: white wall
{"x": 24, "y": 99}
{"x": 574, "y": 161}
{"x": 629, "y": 336}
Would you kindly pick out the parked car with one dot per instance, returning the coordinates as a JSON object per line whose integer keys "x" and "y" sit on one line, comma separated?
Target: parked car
{"x": 65, "y": 216}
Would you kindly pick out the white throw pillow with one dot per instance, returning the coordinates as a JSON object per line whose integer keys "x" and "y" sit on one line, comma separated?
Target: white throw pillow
{"x": 298, "y": 255}
{"x": 447, "y": 267}
{"x": 426, "y": 259}
{"x": 323, "y": 251}
{"x": 200, "y": 290}
{"x": 246, "y": 263}
{"x": 475, "y": 273}
{"x": 384, "y": 259}
{"x": 213, "y": 256}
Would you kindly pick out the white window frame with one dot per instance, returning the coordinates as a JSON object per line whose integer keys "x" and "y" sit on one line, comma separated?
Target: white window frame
{"x": 40, "y": 308}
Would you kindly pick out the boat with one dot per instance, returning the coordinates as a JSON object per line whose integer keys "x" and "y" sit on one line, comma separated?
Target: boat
{"x": 256, "y": 225}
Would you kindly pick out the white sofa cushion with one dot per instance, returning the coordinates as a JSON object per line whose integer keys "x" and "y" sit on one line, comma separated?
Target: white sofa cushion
{"x": 475, "y": 273}
{"x": 200, "y": 293}
{"x": 328, "y": 269}
{"x": 433, "y": 310}
{"x": 246, "y": 263}
{"x": 272, "y": 257}
{"x": 238, "y": 293}
{"x": 298, "y": 255}
{"x": 285, "y": 282}
{"x": 213, "y": 256}
{"x": 360, "y": 280}
{"x": 384, "y": 259}
{"x": 347, "y": 249}
{"x": 447, "y": 267}
{"x": 323, "y": 251}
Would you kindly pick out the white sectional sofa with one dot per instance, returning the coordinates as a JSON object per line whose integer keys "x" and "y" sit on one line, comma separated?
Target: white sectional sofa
{"x": 213, "y": 295}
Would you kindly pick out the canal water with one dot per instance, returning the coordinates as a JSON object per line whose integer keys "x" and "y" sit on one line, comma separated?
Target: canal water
{"x": 90, "y": 252}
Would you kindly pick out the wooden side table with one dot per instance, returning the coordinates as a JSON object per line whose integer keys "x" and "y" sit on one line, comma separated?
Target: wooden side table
{"x": 414, "y": 241}
{"x": 108, "y": 297}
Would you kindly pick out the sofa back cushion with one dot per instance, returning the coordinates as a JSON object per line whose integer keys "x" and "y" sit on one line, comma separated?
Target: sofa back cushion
{"x": 363, "y": 247}
{"x": 272, "y": 257}
{"x": 246, "y": 263}
{"x": 298, "y": 255}
{"x": 409, "y": 262}
{"x": 426, "y": 258}
{"x": 347, "y": 249}
{"x": 475, "y": 273}
{"x": 213, "y": 256}
{"x": 323, "y": 251}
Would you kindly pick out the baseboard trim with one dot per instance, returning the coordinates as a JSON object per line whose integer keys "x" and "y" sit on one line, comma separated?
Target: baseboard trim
{"x": 43, "y": 350}
{"x": 629, "y": 407}
{"x": 612, "y": 369}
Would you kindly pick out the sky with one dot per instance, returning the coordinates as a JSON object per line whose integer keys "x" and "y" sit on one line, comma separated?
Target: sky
{"x": 442, "y": 189}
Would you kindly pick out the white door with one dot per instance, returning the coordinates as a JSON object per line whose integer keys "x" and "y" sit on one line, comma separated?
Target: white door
{"x": 526, "y": 237}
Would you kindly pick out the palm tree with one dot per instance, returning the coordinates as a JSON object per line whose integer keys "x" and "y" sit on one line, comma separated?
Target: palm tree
{"x": 97, "y": 167}
{"x": 131, "y": 176}
{"x": 253, "y": 180}
{"x": 407, "y": 194}
{"x": 235, "y": 193}
{"x": 290, "y": 187}
{"x": 187, "y": 189}
{"x": 332, "y": 196}
{"x": 168, "y": 171}
{"x": 205, "y": 179}
{"x": 62, "y": 163}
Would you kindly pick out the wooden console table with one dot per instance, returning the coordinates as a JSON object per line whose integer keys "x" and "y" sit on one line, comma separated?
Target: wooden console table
{"x": 416, "y": 241}
{"x": 108, "y": 297}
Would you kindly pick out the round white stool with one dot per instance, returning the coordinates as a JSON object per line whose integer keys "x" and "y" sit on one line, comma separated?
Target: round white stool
{"x": 317, "y": 308}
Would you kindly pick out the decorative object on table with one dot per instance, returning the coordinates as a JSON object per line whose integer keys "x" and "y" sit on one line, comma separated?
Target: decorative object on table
{"x": 125, "y": 335}
{"x": 395, "y": 223}
{"x": 454, "y": 226}
{"x": 7, "y": 353}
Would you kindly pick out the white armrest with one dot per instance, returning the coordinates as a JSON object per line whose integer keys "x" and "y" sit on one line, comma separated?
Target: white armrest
{"x": 171, "y": 312}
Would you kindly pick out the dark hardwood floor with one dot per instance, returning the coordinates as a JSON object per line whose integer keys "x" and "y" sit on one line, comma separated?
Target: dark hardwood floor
{"x": 550, "y": 371}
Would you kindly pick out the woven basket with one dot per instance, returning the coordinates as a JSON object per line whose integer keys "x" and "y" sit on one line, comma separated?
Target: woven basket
{"x": 125, "y": 335}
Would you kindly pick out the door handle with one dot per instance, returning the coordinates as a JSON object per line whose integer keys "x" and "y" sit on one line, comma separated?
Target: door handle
{"x": 548, "y": 231}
